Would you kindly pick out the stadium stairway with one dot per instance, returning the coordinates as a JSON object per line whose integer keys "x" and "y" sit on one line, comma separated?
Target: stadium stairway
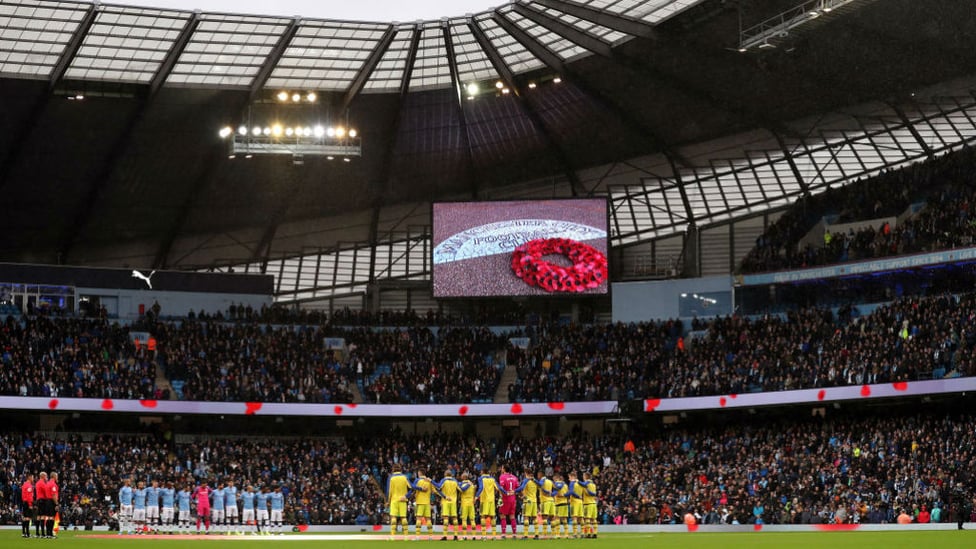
{"x": 509, "y": 375}
{"x": 162, "y": 383}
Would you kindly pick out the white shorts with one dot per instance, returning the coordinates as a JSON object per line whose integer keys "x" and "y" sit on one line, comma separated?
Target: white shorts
{"x": 167, "y": 514}
{"x": 139, "y": 515}
{"x": 262, "y": 516}
{"x": 232, "y": 511}
{"x": 152, "y": 512}
{"x": 216, "y": 514}
{"x": 247, "y": 516}
{"x": 125, "y": 510}
{"x": 184, "y": 515}
{"x": 276, "y": 515}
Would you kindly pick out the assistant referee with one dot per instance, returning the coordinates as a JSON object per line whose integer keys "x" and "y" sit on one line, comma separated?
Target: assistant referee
{"x": 26, "y": 505}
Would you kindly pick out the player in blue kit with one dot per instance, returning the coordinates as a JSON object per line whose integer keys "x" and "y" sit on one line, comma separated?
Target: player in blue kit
{"x": 152, "y": 506}
{"x": 247, "y": 514}
{"x": 125, "y": 507}
{"x": 183, "y": 499}
{"x": 217, "y": 508}
{"x": 262, "y": 510}
{"x": 232, "y": 517}
{"x": 139, "y": 507}
{"x": 167, "y": 495}
{"x": 277, "y": 509}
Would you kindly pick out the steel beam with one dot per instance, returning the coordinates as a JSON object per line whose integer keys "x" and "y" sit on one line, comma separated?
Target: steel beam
{"x": 166, "y": 67}
{"x": 368, "y": 67}
{"x": 523, "y": 102}
{"x": 261, "y": 78}
{"x": 41, "y": 102}
{"x": 459, "y": 102}
{"x": 617, "y": 22}
{"x": 565, "y": 30}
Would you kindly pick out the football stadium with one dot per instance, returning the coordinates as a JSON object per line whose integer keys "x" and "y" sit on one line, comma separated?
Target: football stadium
{"x": 594, "y": 273}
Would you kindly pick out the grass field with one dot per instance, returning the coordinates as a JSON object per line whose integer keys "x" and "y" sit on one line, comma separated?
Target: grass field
{"x": 698, "y": 540}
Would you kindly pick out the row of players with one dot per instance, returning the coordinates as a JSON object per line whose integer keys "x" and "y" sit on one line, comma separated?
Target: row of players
{"x": 164, "y": 509}
{"x": 548, "y": 505}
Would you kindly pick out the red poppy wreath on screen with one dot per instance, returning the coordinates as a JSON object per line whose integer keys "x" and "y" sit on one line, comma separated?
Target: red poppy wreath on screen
{"x": 588, "y": 271}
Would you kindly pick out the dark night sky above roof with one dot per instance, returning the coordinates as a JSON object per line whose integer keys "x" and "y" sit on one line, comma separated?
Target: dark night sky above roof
{"x": 127, "y": 165}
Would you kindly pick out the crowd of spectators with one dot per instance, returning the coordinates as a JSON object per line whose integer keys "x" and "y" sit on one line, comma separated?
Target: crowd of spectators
{"x": 844, "y": 470}
{"x": 906, "y": 340}
{"x": 457, "y": 365}
{"x": 73, "y": 357}
{"x": 946, "y": 221}
{"x": 247, "y": 361}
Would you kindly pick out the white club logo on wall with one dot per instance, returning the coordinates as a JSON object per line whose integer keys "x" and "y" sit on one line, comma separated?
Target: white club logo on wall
{"x": 504, "y": 236}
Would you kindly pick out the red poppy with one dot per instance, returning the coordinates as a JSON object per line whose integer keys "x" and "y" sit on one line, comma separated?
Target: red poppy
{"x": 588, "y": 271}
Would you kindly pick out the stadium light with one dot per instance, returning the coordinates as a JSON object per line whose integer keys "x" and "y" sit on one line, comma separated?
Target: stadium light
{"x": 499, "y": 84}
{"x": 531, "y": 85}
{"x": 779, "y": 26}
{"x": 311, "y": 97}
{"x": 472, "y": 89}
{"x": 294, "y": 139}
{"x": 282, "y": 96}
{"x": 557, "y": 80}
{"x": 296, "y": 97}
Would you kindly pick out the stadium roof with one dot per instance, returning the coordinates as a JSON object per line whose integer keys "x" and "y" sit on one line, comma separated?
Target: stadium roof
{"x": 135, "y": 174}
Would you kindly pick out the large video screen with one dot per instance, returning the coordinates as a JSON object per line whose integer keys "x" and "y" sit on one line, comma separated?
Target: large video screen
{"x": 520, "y": 248}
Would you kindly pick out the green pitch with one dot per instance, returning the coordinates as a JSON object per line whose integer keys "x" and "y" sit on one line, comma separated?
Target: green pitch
{"x": 699, "y": 540}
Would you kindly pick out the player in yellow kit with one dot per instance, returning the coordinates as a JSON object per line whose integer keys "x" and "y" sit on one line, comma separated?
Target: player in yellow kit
{"x": 561, "y": 501}
{"x": 487, "y": 494}
{"x": 449, "y": 491}
{"x": 398, "y": 490}
{"x": 422, "y": 488}
{"x": 530, "y": 503}
{"x": 547, "y": 507}
{"x": 467, "y": 489}
{"x": 589, "y": 506}
{"x": 576, "y": 503}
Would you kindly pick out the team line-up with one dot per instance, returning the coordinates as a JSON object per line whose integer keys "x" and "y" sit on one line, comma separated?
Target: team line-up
{"x": 164, "y": 509}
{"x": 557, "y": 507}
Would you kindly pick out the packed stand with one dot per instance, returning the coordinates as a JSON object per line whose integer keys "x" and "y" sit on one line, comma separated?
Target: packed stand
{"x": 73, "y": 357}
{"x": 326, "y": 482}
{"x": 907, "y": 340}
{"x": 214, "y": 360}
{"x": 863, "y": 470}
{"x": 946, "y": 221}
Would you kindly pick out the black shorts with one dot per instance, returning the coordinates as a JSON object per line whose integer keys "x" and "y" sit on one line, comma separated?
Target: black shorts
{"x": 26, "y": 510}
{"x": 45, "y": 507}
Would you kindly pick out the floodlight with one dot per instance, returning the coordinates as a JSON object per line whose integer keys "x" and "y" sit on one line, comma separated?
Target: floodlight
{"x": 557, "y": 80}
{"x": 506, "y": 91}
{"x": 330, "y": 132}
{"x": 296, "y": 97}
{"x": 311, "y": 97}
{"x": 531, "y": 85}
{"x": 289, "y": 132}
{"x": 267, "y": 130}
{"x": 277, "y": 130}
{"x": 330, "y": 158}
{"x": 353, "y": 133}
{"x": 346, "y": 159}
{"x": 340, "y": 132}
{"x": 242, "y": 130}
{"x": 472, "y": 89}
{"x": 307, "y": 131}
{"x": 225, "y": 131}
{"x": 282, "y": 96}
{"x": 319, "y": 131}
{"x": 256, "y": 130}
{"x": 499, "y": 84}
